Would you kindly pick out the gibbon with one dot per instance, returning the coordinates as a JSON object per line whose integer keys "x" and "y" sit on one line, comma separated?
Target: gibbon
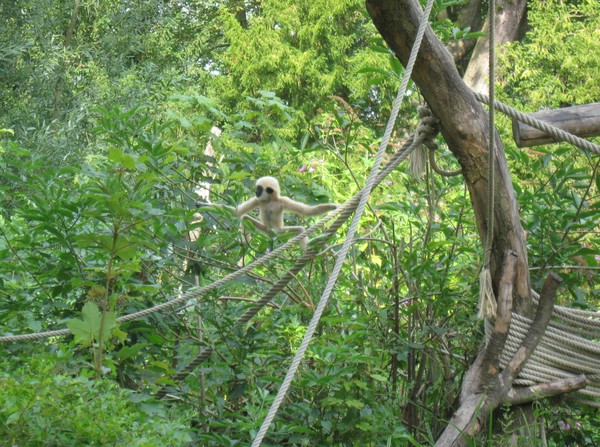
{"x": 272, "y": 206}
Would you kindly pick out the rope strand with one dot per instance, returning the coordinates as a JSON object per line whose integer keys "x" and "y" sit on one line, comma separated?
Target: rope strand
{"x": 349, "y": 237}
{"x": 487, "y": 300}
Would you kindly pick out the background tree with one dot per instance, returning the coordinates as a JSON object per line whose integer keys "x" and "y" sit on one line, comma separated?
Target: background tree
{"x": 103, "y": 151}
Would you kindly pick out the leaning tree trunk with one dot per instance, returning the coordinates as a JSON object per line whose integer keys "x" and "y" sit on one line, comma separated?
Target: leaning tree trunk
{"x": 464, "y": 125}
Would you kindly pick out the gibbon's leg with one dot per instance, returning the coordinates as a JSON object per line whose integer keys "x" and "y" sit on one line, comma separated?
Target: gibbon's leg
{"x": 296, "y": 229}
{"x": 257, "y": 223}
{"x": 305, "y": 210}
{"x": 246, "y": 237}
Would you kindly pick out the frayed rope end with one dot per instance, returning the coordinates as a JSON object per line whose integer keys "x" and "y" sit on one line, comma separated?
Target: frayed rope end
{"x": 416, "y": 162}
{"x": 487, "y": 300}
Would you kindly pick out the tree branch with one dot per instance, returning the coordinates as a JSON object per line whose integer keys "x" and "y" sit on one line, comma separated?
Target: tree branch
{"x": 495, "y": 346}
{"x": 519, "y": 396}
{"x": 537, "y": 329}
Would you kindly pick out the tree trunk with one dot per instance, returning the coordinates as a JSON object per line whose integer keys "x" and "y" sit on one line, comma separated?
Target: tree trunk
{"x": 464, "y": 125}
{"x": 510, "y": 16}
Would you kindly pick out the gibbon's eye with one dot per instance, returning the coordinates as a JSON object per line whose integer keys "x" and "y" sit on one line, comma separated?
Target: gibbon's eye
{"x": 259, "y": 191}
{"x": 269, "y": 190}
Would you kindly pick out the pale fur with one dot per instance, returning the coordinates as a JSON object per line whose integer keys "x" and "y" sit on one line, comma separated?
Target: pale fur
{"x": 272, "y": 206}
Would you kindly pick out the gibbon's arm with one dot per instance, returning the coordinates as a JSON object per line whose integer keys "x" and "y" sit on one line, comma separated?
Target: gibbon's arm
{"x": 306, "y": 210}
{"x": 248, "y": 205}
{"x": 200, "y": 204}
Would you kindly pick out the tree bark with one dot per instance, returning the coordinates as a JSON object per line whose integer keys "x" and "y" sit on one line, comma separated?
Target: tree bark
{"x": 464, "y": 124}
{"x": 510, "y": 16}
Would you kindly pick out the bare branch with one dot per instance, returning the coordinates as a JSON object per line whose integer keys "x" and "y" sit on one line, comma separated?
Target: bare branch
{"x": 518, "y": 396}
{"x": 491, "y": 362}
{"x": 538, "y": 327}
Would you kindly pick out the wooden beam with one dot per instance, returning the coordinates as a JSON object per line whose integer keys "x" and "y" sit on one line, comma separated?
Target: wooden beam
{"x": 583, "y": 121}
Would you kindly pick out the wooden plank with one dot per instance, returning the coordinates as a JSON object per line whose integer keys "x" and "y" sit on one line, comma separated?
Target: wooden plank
{"x": 583, "y": 121}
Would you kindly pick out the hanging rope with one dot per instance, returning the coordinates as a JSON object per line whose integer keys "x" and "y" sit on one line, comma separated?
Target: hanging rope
{"x": 487, "y": 301}
{"x": 349, "y": 238}
{"x": 432, "y": 146}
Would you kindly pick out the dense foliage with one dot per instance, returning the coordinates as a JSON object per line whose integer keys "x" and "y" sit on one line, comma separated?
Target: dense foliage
{"x": 118, "y": 117}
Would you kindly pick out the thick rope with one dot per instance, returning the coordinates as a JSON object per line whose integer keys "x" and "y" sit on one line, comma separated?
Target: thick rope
{"x": 487, "y": 300}
{"x": 426, "y": 131}
{"x": 194, "y": 293}
{"x": 555, "y": 132}
{"x": 560, "y": 353}
{"x": 349, "y": 238}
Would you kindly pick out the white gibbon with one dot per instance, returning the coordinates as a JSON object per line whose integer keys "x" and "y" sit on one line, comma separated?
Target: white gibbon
{"x": 272, "y": 206}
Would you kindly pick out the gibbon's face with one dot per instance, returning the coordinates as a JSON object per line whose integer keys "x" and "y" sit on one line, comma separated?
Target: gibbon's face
{"x": 267, "y": 188}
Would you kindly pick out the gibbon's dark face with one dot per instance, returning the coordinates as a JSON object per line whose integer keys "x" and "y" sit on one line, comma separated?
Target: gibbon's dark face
{"x": 266, "y": 188}
{"x": 260, "y": 189}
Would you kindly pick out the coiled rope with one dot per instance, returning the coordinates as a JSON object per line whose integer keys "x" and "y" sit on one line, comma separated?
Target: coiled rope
{"x": 560, "y": 353}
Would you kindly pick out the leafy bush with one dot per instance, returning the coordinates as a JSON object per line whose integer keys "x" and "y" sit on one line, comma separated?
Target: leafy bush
{"x": 43, "y": 404}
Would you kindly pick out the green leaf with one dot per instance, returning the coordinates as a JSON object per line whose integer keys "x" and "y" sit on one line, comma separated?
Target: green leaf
{"x": 129, "y": 351}
{"x": 396, "y": 66}
{"x": 86, "y": 331}
{"x": 379, "y": 377}
{"x": 124, "y": 248}
{"x": 84, "y": 335}
{"x": 238, "y": 175}
{"x": 354, "y": 403}
{"x": 115, "y": 154}
{"x": 371, "y": 70}
{"x": 128, "y": 162}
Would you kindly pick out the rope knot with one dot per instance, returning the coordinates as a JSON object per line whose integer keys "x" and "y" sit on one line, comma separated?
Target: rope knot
{"x": 428, "y": 126}
{"x": 426, "y": 131}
